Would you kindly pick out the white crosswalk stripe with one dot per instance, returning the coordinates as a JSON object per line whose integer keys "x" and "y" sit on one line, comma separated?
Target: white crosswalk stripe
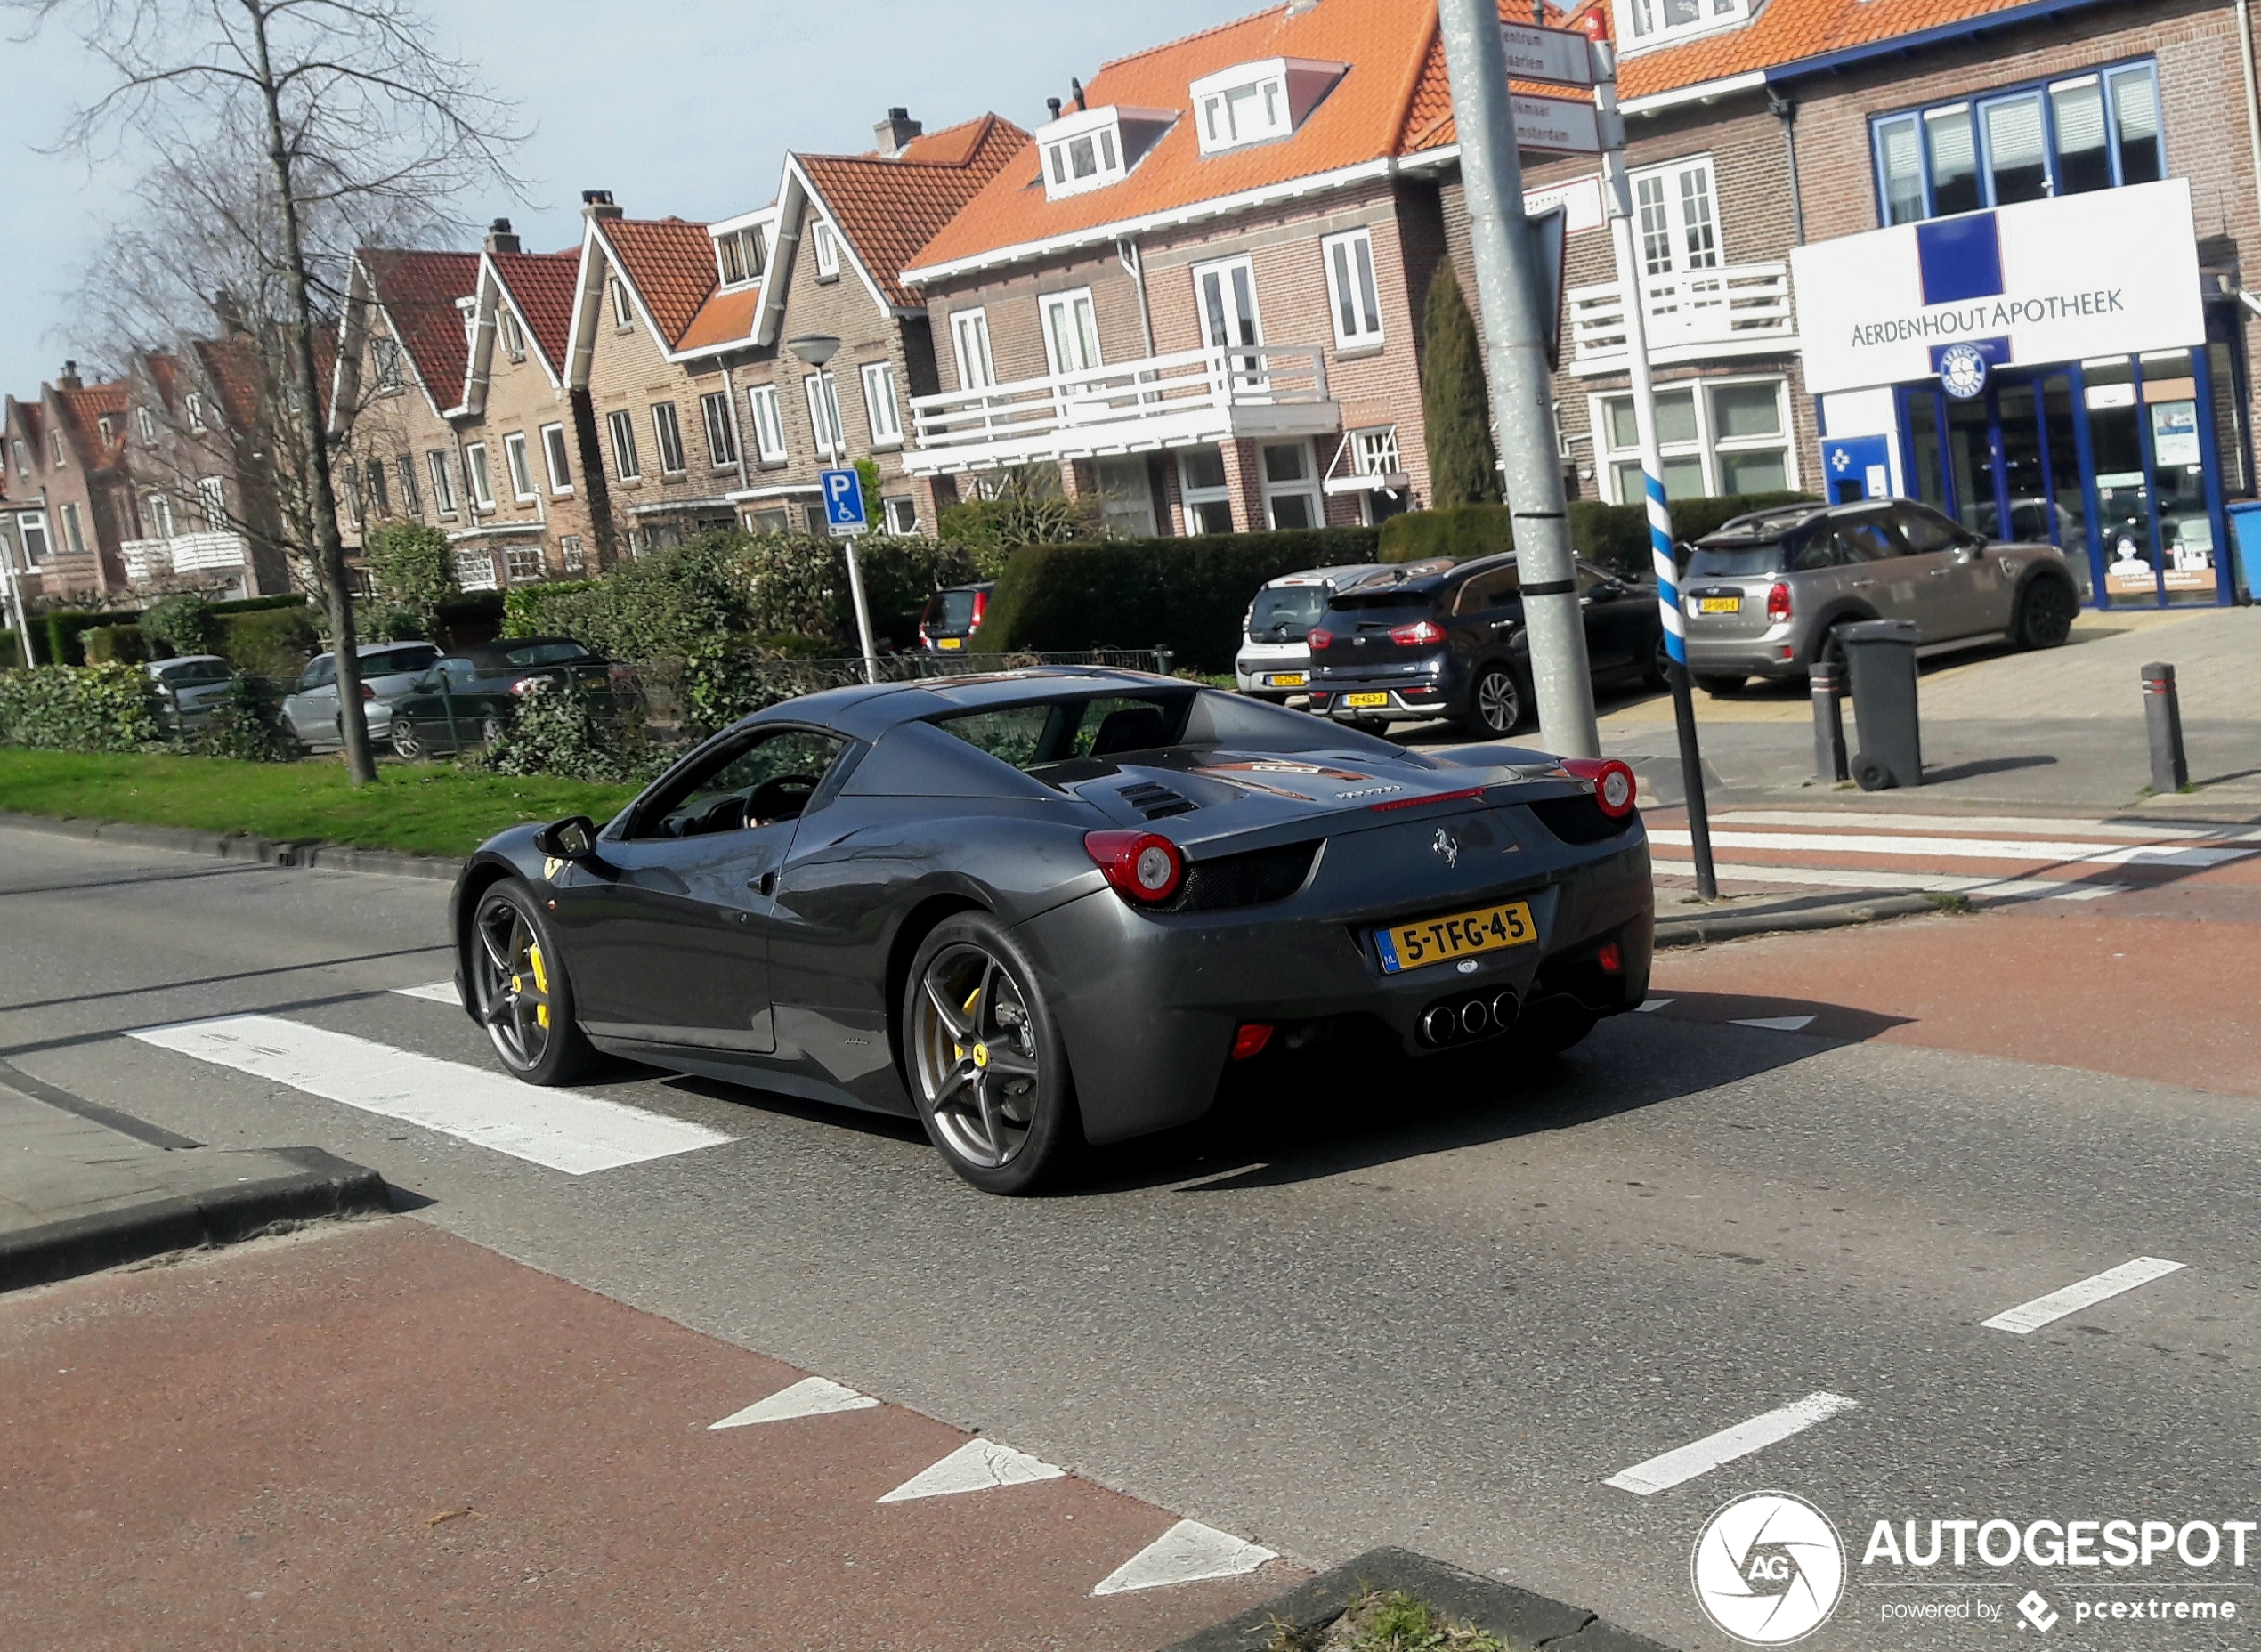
{"x": 436, "y": 991}
{"x": 1659, "y": 1474}
{"x": 976, "y": 1465}
{"x": 1187, "y": 1553}
{"x": 811, "y": 1396}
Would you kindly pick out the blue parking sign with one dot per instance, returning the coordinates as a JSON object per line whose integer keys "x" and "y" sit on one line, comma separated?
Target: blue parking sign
{"x": 843, "y": 501}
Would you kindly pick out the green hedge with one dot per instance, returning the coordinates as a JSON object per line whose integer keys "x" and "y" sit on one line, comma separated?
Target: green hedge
{"x": 1188, "y": 595}
{"x": 1614, "y": 536}
{"x": 112, "y": 708}
{"x": 268, "y": 642}
{"x": 114, "y": 645}
{"x": 257, "y": 604}
{"x": 59, "y": 634}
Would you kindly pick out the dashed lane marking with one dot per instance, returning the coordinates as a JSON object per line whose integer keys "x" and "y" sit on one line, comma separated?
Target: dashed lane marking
{"x": 1187, "y": 1553}
{"x": 438, "y": 991}
{"x": 811, "y": 1396}
{"x": 1648, "y": 1006}
{"x": 2026, "y": 1317}
{"x": 1969, "y": 848}
{"x": 2030, "y": 826}
{"x": 976, "y": 1465}
{"x": 560, "y": 1128}
{"x": 1659, "y": 1474}
{"x": 1920, "y": 883}
{"x": 1776, "y": 1024}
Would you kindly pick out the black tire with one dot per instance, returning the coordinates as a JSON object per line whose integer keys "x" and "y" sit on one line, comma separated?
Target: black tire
{"x": 984, "y": 1061}
{"x": 1658, "y": 675}
{"x": 1379, "y": 727}
{"x": 520, "y": 990}
{"x": 1720, "y": 687}
{"x": 2046, "y": 609}
{"x": 490, "y": 730}
{"x": 1497, "y": 705}
{"x": 408, "y": 745}
{"x": 1831, "y": 653}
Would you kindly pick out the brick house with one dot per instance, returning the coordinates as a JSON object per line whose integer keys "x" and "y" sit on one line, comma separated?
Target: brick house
{"x": 203, "y": 492}
{"x": 1198, "y": 289}
{"x": 71, "y": 502}
{"x": 823, "y": 260}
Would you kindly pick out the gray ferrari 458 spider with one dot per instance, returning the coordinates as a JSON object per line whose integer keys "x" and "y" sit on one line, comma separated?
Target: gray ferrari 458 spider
{"x": 1053, "y": 908}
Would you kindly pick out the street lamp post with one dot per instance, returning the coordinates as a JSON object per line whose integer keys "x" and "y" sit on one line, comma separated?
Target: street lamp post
{"x": 816, "y": 349}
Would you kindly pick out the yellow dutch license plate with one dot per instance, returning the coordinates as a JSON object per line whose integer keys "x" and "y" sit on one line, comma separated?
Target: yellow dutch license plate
{"x": 949, "y": 641}
{"x": 1359, "y": 701}
{"x": 1440, "y": 940}
{"x": 1286, "y": 679}
{"x": 1718, "y": 604}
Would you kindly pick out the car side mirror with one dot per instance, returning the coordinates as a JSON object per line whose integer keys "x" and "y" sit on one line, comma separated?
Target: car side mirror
{"x": 572, "y": 840}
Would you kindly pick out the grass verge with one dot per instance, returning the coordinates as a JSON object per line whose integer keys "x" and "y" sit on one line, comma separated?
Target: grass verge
{"x": 418, "y": 808}
{"x": 1388, "y": 1623}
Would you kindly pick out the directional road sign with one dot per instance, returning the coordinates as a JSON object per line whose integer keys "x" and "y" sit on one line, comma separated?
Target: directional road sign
{"x": 1556, "y": 54}
{"x": 843, "y": 502}
{"x": 1556, "y": 124}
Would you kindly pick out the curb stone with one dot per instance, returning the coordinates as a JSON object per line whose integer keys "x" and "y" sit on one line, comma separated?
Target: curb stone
{"x": 322, "y": 1186}
{"x": 1526, "y": 1622}
{"x": 1701, "y": 931}
{"x": 309, "y": 854}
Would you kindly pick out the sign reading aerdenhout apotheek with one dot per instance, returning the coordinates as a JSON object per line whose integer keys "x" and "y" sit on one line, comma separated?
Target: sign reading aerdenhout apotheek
{"x": 2110, "y": 273}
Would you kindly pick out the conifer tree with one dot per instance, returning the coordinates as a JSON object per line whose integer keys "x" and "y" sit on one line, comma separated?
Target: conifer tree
{"x": 1463, "y": 464}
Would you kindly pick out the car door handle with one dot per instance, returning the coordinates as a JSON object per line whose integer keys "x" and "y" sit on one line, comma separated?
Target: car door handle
{"x": 767, "y": 883}
{"x": 1862, "y": 585}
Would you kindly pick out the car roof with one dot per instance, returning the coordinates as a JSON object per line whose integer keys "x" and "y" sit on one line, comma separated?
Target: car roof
{"x": 1759, "y": 527}
{"x": 1324, "y": 576}
{"x": 868, "y": 710}
{"x": 502, "y": 646}
{"x": 186, "y": 659}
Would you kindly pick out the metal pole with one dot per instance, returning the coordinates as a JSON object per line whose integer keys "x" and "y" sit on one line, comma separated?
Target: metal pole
{"x": 1523, "y": 387}
{"x": 2163, "y": 723}
{"x": 1652, "y": 473}
{"x": 863, "y": 614}
{"x": 21, "y": 620}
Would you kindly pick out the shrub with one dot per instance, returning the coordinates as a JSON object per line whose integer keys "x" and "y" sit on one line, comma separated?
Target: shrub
{"x": 1188, "y": 595}
{"x": 261, "y": 604}
{"x": 557, "y": 731}
{"x": 1614, "y": 537}
{"x": 246, "y": 724}
{"x": 115, "y": 644}
{"x": 395, "y": 625}
{"x": 1456, "y": 406}
{"x": 112, "y": 708}
{"x": 474, "y": 617}
{"x": 412, "y": 568}
{"x": 268, "y": 642}
{"x": 11, "y": 651}
{"x": 179, "y": 625}
{"x": 526, "y": 608}
{"x": 59, "y": 634}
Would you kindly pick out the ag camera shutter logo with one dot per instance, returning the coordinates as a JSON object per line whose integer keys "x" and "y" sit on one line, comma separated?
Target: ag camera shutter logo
{"x": 1768, "y": 1569}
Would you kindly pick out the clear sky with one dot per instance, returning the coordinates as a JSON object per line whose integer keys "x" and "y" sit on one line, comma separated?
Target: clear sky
{"x": 677, "y": 106}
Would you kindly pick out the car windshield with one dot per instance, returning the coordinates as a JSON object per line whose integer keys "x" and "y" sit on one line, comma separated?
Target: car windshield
{"x": 1033, "y": 736}
{"x": 1735, "y": 561}
{"x": 1285, "y": 613}
{"x": 545, "y": 653}
{"x": 190, "y": 671}
{"x": 951, "y": 610}
{"x": 398, "y": 661}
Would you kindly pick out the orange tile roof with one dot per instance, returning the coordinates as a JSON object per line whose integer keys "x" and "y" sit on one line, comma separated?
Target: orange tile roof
{"x": 544, "y": 284}
{"x": 85, "y": 407}
{"x": 671, "y": 264}
{"x": 1788, "y": 31}
{"x": 418, "y": 291}
{"x": 725, "y": 319}
{"x": 888, "y": 207}
{"x": 232, "y": 370}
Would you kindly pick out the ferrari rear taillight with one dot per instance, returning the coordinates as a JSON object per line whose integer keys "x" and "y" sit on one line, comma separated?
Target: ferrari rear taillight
{"x": 1419, "y": 633}
{"x": 1778, "y": 603}
{"x": 1614, "y": 789}
{"x": 1144, "y": 866}
{"x": 1318, "y": 640}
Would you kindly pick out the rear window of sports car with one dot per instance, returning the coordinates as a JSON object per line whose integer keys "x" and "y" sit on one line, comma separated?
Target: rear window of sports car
{"x": 1041, "y": 733}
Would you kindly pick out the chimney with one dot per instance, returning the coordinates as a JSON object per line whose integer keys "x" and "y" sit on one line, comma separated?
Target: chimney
{"x": 70, "y": 379}
{"x": 897, "y": 131}
{"x": 1076, "y": 87}
{"x": 1054, "y": 105}
{"x": 499, "y": 240}
{"x": 598, "y": 204}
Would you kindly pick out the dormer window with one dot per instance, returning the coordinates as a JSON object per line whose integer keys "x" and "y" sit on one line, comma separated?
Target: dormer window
{"x": 1659, "y": 22}
{"x": 1093, "y": 148}
{"x": 1260, "y": 102}
{"x": 109, "y": 427}
{"x": 740, "y": 255}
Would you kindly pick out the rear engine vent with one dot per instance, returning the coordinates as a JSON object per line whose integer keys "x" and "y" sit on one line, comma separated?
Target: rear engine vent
{"x": 1579, "y": 819}
{"x": 1157, "y": 802}
{"x": 1250, "y": 880}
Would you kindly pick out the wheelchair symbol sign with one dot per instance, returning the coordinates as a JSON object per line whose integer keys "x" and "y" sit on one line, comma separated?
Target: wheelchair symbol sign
{"x": 843, "y": 501}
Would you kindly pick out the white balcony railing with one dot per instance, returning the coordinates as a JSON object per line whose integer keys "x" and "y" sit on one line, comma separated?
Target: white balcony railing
{"x": 1739, "y": 309}
{"x": 189, "y": 553}
{"x": 1193, "y": 397}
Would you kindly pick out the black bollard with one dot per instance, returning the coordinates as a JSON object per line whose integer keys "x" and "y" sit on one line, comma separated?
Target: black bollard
{"x": 1828, "y": 722}
{"x": 2163, "y": 722}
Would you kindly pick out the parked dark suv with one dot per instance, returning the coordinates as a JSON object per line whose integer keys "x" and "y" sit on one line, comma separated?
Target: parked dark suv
{"x": 1452, "y": 644}
{"x": 951, "y": 617}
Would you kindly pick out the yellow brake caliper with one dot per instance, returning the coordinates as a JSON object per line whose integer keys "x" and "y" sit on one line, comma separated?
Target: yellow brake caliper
{"x": 541, "y": 986}
{"x": 958, "y": 1050}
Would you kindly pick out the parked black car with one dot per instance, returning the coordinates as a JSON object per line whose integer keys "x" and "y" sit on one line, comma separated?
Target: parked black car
{"x": 467, "y": 698}
{"x": 952, "y": 616}
{"x": 1452, "y": 644}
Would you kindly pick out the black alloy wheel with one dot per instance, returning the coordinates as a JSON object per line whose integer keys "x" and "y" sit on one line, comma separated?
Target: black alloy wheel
{"x": 987, "y": 1068}
{"x": 1496, "y": 704}
{"x": 519, "y": 991}
{"x": 490, "y": 730}
{"x": 2046, "y": 613}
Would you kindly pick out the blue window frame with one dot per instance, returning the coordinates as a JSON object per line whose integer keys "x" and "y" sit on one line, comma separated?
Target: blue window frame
{"x": 2096, "y": 130}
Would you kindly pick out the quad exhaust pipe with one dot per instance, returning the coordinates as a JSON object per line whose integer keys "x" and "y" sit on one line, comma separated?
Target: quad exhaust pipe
{"x": 1465, "y": 1020}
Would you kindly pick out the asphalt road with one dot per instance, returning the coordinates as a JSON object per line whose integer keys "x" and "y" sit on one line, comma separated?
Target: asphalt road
{"x": 1393, "y": 1310}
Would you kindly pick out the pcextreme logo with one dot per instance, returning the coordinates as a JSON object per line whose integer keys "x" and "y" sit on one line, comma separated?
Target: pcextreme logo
{"x": 1768, "y": 1569}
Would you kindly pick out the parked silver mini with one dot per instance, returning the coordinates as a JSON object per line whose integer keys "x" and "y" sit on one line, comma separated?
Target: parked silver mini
{"x": 1274, "y": 662}
{"x": 388, "y": 671}
{"x": 1766, "y": 594}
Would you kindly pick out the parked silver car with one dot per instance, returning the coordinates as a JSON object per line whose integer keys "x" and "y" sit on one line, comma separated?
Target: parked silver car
{"x": 388, "y": 671}
{"x": 1765, "y": 594}
{"x": 1274, "y": 662}
{"x": 191, "y": 685}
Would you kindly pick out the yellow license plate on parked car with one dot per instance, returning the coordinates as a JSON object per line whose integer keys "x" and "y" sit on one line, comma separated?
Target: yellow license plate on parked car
{"x": 1286, "y": 679}
{"x": 949, "y": 641}
{"x": 1718, "y": 604}
{"x": 1440, "y": 940}
{"x": 1359, "y": 701}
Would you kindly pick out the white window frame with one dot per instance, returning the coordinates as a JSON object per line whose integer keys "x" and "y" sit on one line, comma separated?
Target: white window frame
{"x": 769, "y": 423}
{"x": 623, "y": 305}
{"x": 524, "y": 564}
{"x": 75, "y": 531}
{"x": 443, "y": 481}
{"x": 32, "y": 525}
{"x": 1305, "y": 487}
{"x": 824, "y": 246}
{"x": 739, "y": 256}
{"x": 557, "y": 459}
{"x": 156, "y": 516}
{"x": 1707, "y": 446}
{"x": 722, "y": 439}
{"x": 23, "y": 458}
{"x": 380, "y": 491}
{"x": 1641, "y": 25}
{"x": 666, "y": 436}
{"x": 511, "y": 334}
{"x": 628, "y": 464}
{"x": 901, "y": 513}
{"x": 192, "y": 404}
{"x": 569, "y": 553}
{"x": 881, "y": 410}
{"x": 1669, "y": 240}
{"x": 212, "y": 502}
{"x": 520, "y": 466}
{"x": 1353, "y": 288}
{"x": 57, "y": 458}
{"x": 478, "y": 477}
{"x": 144, "y": 424}
{"x": 475, "y": 568}
{"x": 1252, "y": 109}
{"x": 384, "y": 362}
{"x": 1190, "y": 497}
{"x": 411, "y": 495}
{"x": 970, "y": 335}
{"x": 824, "y": 393}
{"x": 1080, "y": 313}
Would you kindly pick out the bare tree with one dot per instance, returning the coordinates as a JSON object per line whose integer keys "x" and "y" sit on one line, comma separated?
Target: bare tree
{"x": 289, "y": 131}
